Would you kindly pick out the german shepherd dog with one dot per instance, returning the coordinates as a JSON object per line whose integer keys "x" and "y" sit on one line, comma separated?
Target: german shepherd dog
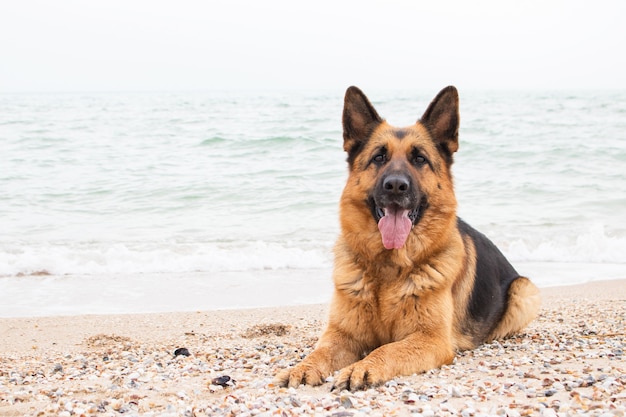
{"x": 413, "y": 282}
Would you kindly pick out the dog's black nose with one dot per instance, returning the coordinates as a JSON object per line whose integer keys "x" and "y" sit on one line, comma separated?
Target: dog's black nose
{"x": 396, "y": 184}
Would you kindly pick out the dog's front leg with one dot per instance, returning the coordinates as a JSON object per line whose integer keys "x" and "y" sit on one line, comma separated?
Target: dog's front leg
{"x": 335, "y": 350}
{"x": 414, "y": 354}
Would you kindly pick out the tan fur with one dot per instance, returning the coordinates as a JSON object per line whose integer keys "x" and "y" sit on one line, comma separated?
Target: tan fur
{"x": 524, "y": 303}
{"x": 402, "y": 311}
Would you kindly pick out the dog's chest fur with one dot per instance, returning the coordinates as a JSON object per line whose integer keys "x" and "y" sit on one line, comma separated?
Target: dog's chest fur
{"x": 389, "y": 309}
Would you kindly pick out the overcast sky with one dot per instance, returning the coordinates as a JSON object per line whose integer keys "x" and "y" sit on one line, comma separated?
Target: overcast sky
{"x": 122, "y": 45}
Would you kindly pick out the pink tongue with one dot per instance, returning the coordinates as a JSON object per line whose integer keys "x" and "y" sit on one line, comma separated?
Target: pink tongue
{"x": 395, "y": 227}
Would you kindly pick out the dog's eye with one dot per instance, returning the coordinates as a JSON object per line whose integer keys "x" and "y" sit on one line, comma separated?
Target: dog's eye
{"x": 418, "y": 159}
{"x": 380, "y": 158}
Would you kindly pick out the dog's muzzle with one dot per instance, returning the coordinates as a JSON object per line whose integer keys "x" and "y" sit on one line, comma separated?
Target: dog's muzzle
{"x": 396, "y": 207}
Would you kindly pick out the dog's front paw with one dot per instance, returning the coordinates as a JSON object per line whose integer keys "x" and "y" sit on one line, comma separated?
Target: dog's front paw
{"x": 361, "y": 375}
{"x": 303, "y": 373}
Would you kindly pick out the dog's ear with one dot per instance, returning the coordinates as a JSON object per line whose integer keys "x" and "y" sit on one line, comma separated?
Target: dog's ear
{"x": 359, "y": 121}
{"x": 442, "y": 120}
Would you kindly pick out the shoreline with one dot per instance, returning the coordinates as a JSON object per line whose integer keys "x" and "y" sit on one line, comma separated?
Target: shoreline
{"x": 568, "y": 362}
{"x": 147, "y": 293}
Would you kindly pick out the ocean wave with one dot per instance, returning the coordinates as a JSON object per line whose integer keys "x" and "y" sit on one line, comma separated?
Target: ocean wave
{"x": 594, "y": 245}
{"x": 115, "y": 258}
{"x": 92, "y": 258}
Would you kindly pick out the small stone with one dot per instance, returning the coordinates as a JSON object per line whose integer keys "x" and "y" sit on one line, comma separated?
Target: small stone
{"x": 391, "y": 384}
{"x": 410, "y": 397}
{"x": 454, "y": 392}
{"x": 182, "y": 352}
{"x": 222, "y": 381}
{"x": 345, "y": 401}
{"x": 468, "y": 412}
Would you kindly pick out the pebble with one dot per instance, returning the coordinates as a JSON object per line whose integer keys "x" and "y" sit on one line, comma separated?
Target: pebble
{"x": 222, "y": 381}
{"x": 182, "y": 352}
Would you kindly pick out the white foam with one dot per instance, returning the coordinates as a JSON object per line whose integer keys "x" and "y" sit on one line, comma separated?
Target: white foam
{"x": 592, "y": 245}
{"x": 163, "y": 257}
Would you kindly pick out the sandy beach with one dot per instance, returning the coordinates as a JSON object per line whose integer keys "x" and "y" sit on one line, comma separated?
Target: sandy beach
{"x": 569, "y": 362}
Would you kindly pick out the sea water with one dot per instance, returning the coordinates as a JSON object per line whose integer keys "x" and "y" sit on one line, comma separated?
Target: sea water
{"x": 129, "y": 202}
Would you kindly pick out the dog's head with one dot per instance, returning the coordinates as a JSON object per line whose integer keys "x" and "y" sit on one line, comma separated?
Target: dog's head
{"x": 400, "y": 183}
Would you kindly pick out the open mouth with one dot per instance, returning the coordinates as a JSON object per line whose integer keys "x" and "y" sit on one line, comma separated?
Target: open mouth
{"x": 413, "y": 215}
{"x": 395, "y": 222}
